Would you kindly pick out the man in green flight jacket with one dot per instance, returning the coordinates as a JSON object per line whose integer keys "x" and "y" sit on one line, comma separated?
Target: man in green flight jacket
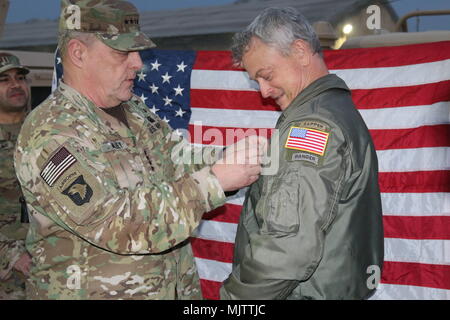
{"x": 312, "y": 230}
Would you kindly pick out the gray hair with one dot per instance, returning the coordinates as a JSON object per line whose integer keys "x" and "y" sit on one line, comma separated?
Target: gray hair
{"x": 67, "y": 35}
{"x": 277, "y": 27}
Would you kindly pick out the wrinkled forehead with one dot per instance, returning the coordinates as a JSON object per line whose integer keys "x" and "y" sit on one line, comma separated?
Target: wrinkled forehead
{"x": 257, "y": 52}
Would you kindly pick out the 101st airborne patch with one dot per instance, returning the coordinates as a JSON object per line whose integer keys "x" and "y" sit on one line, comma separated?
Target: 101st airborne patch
{"x": 307, "y": 141}
{"x": 73, "y": 187}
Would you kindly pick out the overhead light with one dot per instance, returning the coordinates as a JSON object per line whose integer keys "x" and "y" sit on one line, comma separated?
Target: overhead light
{"x": 347, "y": 29}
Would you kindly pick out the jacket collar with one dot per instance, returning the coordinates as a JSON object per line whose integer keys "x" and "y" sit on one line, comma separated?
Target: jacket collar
{"x": 329, "y": 81}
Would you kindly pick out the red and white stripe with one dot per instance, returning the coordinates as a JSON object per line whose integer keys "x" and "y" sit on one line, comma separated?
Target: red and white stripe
{"x": 59, "y": 163}
{"x": 403, "y": 95}
{"x": 314, "y": 141}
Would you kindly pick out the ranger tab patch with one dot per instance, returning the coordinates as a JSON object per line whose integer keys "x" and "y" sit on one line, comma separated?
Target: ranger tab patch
{"x": 306, "y": 139}
{"x": 58, "y": 164}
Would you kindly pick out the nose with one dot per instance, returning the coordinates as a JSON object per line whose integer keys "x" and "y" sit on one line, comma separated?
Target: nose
{"x": 135, "y": 60}
{"x": 265, "y": 89}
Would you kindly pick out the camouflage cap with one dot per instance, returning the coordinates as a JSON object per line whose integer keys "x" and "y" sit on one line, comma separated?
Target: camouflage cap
{"x": 9, "y": 61}
{"x": 114, "y": 22}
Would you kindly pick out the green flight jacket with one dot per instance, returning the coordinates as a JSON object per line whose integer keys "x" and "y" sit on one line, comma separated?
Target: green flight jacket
{"x": 314, "y": 229}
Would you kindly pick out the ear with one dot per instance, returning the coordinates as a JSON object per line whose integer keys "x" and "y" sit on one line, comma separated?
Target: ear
{"x": 76, "y": 52}
{"x": 302, "y": 51}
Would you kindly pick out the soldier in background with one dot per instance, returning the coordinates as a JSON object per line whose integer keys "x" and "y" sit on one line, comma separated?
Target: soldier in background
{"x": 14, "y": 101}
{"x": 110, "y": 212}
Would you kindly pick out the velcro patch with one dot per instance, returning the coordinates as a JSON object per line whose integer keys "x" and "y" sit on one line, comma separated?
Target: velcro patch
{"x": 79, "y": 191}
{"x": 306, "y": 139}
{"x": 57, "y": 165}
{"x": 305, "y": 156}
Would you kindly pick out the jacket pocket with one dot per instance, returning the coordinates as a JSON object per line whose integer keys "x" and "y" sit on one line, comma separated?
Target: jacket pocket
{"x": 126, "y": 164}
{"x": 282, "y": 205}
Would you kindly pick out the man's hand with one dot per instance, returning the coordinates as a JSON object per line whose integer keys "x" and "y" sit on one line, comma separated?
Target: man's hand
{"x": 241, "y": 163}
{"x": 23, "y": 264}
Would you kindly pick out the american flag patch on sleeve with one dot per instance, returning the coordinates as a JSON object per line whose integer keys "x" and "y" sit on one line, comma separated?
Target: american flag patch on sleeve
{"x": 58, "y": 164}
{"x": 309, "y": 140}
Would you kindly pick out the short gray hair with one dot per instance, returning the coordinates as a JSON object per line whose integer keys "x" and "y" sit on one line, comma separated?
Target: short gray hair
{"x": 277, "y": 27}
{"x": 67, "y": 35}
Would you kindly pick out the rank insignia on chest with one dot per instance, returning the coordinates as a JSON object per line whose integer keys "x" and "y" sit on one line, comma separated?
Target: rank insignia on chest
{"x": 58, "y": 164}
{"x": 113, "y": 145}
{"x": 153, "y": 126}
{"x": 305, "y": 139}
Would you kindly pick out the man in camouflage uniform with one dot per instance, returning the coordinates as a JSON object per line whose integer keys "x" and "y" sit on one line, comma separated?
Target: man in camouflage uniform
{"x": 14, "y": 101}
{"x": 110, "y": 212}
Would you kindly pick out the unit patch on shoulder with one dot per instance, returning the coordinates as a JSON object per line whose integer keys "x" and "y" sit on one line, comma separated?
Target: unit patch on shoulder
{"x": 73, "y": 185}
{"x": 307, "y": 141}
{"x": 79, "y": 191}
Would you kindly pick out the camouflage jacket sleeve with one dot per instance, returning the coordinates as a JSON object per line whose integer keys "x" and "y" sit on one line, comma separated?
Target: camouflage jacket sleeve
{"x": 10, "y": 252}
{"x": 88, "y": 192}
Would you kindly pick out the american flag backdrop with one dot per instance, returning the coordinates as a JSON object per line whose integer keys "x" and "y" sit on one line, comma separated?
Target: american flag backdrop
{"x": 403, "y": 94}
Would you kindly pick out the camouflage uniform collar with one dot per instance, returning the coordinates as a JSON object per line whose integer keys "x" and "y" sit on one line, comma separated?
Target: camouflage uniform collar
{"x": 92, "y": 111}
{"x": 74, "y": 96}
{"x": 80, "y": 101}
{"x": 329, "y": 81}
{"x": 10, "y": 131}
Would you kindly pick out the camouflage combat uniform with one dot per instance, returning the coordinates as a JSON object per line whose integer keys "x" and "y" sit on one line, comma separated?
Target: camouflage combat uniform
{"x": 12, "y": 231}
{"x": 110, "y": 211}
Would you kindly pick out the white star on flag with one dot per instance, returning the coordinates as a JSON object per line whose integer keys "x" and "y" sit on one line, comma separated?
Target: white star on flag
{"x": 166, "y": 77}
{"x": 141, "y": 75}
{"x": 153, "y": 109}
{"x": 181, "y": 66}
{"x": 155, "y": 65}
{"x": 143, "y": 98}
{"x": 180, "y": 113}
{"x": 154, "y": 88}
{"x": 167, "y": 101}
{"x": 165, "y": 119}
{"x": 178, "y": 90}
